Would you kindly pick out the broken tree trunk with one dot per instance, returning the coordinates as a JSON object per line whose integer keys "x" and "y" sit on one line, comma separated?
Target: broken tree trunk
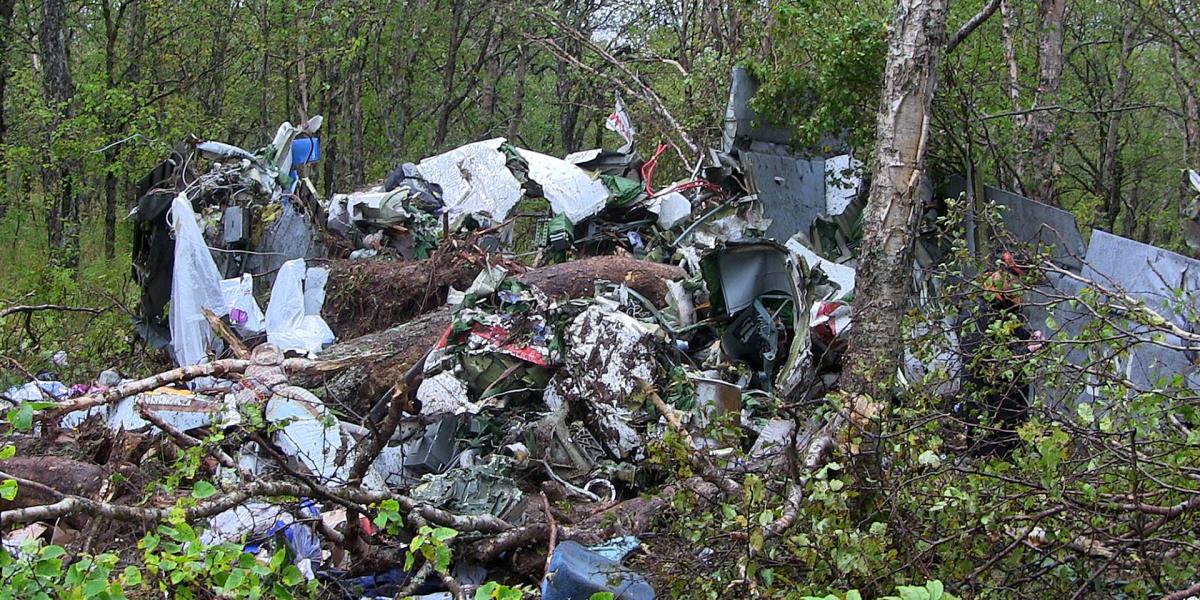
{"x": 378, "y": 360}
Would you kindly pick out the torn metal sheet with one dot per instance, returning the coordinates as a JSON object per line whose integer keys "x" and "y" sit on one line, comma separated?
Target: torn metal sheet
{"x": 435, "y": 449}
{"x": 840, "y": 275}
{"x": 569, "y": 450}
{"x": 1032, "y": 222}
{"x": 576, "y": 572}
{"x": 288, "y": 236}
{"x": 569, "y": 189}
{"x": 178, "y": 408}
{"x": 583, "y": 156}
{"x": 308, "y": 432}
{"x": 748, "y": 271}
{"x": 475, "y": 180}
{"x": 1154, "y": 276}
{"x": 218, "y": 150}
{"x": 743, "y": 279}
{"x": 741, "y": 124}
{"x": 769, "y": 448}
{"x": 608, "y": 353}
{"x": 843, "y": 183}
{"x": 484, "y": 489}
{"x": 445, "y": 393}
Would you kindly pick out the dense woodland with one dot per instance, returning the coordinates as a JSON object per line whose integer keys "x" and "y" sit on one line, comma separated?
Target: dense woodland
{"x": 1093, "y": 107}
{"x": 1088, "y": 105}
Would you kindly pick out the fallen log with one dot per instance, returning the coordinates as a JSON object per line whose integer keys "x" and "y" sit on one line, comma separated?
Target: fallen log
{"x": 370, "y": 296}
{"x": 378, "y": 360}
{"x": 58, "y": 476}
{"x": 365, "y": 296}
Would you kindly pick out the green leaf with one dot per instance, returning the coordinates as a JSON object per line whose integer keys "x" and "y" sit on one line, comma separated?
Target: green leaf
{"x": 203, "y": 489}
{"x": 235, "y": 579}
{"x": 132, "y": 576}
{"x": 929, "y": 458}
{"x": 22, "y": 417}
{"x": 602, "y": 596}
{"x": 48, "y": 567}
{"x": 93, "y": 587}
{"x": 908, "y": 592}
{"x": 8, "y": 452}
{"x": 380, "y": 520}
{"x": 853, "y": 595}
{"x": 442, "y": 559}
{"x": 8, "y": 489}
{"x": 292, "y": 575}
{"x": 442, "y": 534}
{"x": 485, "y": 591}
{"x": 936, "y": 589}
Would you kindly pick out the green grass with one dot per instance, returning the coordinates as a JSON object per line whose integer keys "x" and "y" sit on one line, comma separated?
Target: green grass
{"x": 93, "y": 342}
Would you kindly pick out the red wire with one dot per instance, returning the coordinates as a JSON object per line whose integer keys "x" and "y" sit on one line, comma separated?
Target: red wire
{"x": 648, "y": 174}
{"x": 649, "y": 166}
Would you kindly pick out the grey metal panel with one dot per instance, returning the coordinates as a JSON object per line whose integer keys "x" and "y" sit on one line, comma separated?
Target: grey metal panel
{"x": 289, "y": 236}
{"x": 740, "y": 127}
{"x": 1032, "y": 222}
{"x": 1145, "y": 272}
{"x": 792, "y": 191}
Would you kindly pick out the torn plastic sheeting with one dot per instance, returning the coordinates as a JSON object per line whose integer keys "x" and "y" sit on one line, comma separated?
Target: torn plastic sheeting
{"x": 289, "y": 325}
{"x": 16, "y": 538}
{"x": 195, "y": 285}
{"x": 672, "y": 209}
{"x": 315, "y": 279}
{"x": 244, "y": 311}
{"x": 246, "y": 522}
{"x": 569, "y": 189}
{"x": 475, "y": 180}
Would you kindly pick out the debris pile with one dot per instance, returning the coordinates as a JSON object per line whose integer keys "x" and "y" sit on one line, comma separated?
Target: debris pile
{"x": 408, "y": 354}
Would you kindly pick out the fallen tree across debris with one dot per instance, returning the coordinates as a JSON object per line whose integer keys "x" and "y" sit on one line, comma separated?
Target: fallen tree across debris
{"x": 373, "y": 363}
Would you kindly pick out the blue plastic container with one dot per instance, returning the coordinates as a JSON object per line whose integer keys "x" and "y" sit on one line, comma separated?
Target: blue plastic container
{"x": 577, "y": 572}
{"x": 305, "y": 150}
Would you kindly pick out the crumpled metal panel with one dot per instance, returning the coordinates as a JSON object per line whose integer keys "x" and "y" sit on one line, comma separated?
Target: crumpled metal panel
{"x": 569, "y": 189}
{"x": 475, "y": 180}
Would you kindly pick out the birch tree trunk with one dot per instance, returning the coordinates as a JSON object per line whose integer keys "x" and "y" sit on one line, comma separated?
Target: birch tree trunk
{"x": 883, "y": 288}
